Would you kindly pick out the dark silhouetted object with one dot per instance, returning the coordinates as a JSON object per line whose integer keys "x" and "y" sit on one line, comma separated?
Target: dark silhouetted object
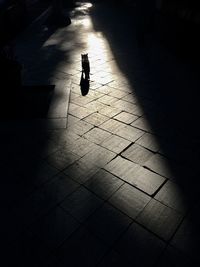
{"x": 85, "y": 65}
{"x": 84, "y": 84}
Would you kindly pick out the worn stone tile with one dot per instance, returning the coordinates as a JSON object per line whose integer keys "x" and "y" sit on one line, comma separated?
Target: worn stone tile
{"x": 129, "y": 107}
{"x": 160, "y": 165}
{"x": 115, "y": 143}
{"x": 82, "y": 100}
{"x": 107, "y": 100}
{"x": 137, "y": 154}
{"x": 160, "y": 219}
{"x": 61, "y": 159}
{"x": 96, "y": 119}
{"x": 142, "y": 124}
{"x": 108, "y": 223}
{"x": 95, "y": 94}
{"x": 103, "y": 184}
{"x": 172, "y": 196}
{"x": 130, "y": 98}
{"x": 109, "y": 111}
{"x": 80, "y": 112}
{"x": 63, "y": 137}
{"x": 72, "y": 107}
{"x": 126, "y": 117}
{"x": 118, "y": 84}
{"x": 55, "y": 227}
{"x": 73, "y": 96}
{"x": 95, "y": 106}
{"x": 149, "y": 141}
{"x": 129, "y": 200}
{"x": 99, "y": 156}
{"x": 80, "y": 127}
{"x": 81, "y": 170}
{"x": 122, "y": 168}
{"x": 81, "y": 204}
{"x": 81, "y": 249}
{"x": 95, "y": 85}
{"x": 82, "y": 146}
{"x": 97, "y": 135}
{"x": 117, "y": 93}
{"x": 130, "y": 133}
{"x": 145, "y": 180}
{"x": 104, "y": 80}
{"x": 112, "y": 126}
{"x": 140, "y": 247}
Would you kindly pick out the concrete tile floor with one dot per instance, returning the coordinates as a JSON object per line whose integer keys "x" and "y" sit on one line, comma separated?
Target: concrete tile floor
{"x": 101, "y": 193}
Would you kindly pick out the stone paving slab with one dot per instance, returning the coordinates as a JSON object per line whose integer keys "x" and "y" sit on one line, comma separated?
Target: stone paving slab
{"x": 96, "y": 181}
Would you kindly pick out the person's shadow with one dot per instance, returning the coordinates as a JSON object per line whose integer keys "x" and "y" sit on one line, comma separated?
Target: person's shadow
{"x": 84, "y": 84}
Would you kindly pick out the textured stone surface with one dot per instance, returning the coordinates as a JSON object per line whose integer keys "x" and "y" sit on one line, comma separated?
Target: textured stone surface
{"x": 160, "y": 165}
{"x": 103, "y": 184}
{"x": 137, "y": 154}
{"x": 160, "y": 219}
{"x": 81, "y": 204}
{"x": 97, "y": 135}
{"x": 149, "y": 141}
{"x": 129, "y": 200}
{"x": 115, "y": 143}
{"x": 172, "y": 196}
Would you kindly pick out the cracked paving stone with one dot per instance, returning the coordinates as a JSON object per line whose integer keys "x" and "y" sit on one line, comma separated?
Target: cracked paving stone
{"x": 143, "y": 179}
{"x": 97, "y": 135}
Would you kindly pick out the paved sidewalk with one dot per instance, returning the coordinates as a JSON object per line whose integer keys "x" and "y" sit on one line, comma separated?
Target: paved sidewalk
{"x": 114, "y": 182}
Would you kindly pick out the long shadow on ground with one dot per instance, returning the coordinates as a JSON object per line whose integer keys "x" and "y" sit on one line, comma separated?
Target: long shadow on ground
{"x": 164, "y": 74}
